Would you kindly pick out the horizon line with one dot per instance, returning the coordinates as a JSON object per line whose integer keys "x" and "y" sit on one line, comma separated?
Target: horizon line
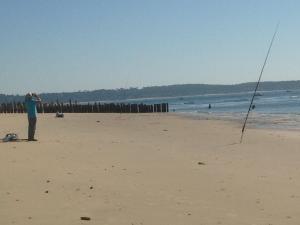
{"x": 140, "y": 88}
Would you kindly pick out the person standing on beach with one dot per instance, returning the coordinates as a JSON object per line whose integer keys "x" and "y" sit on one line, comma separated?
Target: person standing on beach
{"x": 31, "y": 100}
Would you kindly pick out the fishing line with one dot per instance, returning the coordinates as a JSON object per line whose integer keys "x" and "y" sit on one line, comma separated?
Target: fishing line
{"x": 257, "y": 84}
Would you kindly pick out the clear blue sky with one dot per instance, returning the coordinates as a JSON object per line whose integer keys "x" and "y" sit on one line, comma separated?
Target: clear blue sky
{"x": 69, "y": 45}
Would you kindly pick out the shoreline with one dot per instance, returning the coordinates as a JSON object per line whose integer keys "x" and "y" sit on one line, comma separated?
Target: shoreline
{"x": 283, "y": 122}
{"x": 288, "y": 122}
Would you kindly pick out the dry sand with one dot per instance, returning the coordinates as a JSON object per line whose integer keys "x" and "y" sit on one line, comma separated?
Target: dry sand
{"x": 147, "y": 170}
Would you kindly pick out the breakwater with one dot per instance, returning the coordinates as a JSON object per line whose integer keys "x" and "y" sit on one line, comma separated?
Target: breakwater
{"x": 18, "y": 107}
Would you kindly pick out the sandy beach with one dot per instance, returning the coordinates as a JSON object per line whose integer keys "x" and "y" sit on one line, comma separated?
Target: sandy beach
{"x": 147, "y": 169}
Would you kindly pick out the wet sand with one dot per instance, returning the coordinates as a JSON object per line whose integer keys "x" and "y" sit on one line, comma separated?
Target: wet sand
{"x": 147, "y": 169}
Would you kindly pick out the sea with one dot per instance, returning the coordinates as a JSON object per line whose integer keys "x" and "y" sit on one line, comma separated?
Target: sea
{"x": 272, "y": 109}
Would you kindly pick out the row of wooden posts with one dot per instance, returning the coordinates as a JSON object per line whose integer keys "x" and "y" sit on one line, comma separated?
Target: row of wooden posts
{"x": 18, "y": 107}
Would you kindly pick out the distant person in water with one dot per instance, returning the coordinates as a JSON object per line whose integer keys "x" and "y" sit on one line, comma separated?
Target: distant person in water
{"x": 31, "y": 100}
{"x": 209, "y": 106}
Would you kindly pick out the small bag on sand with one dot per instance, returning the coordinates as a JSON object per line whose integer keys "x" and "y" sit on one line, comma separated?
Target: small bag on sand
{"x": 10, "y": 137}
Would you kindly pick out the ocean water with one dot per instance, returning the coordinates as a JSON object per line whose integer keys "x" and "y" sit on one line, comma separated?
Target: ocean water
{"x": 273, "y": 109}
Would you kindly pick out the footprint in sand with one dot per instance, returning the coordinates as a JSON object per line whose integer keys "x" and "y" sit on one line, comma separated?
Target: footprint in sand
{"x": 222, "y": 189}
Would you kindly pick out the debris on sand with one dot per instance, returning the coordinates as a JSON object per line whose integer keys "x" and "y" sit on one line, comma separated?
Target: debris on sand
{"x": 85, "y": 218}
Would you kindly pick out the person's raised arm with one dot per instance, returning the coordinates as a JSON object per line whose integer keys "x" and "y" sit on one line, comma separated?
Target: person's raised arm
{"x": 37, "y": 97}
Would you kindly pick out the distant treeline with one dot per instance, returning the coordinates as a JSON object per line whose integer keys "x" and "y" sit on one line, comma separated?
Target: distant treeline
{"x": 155, "y": 91}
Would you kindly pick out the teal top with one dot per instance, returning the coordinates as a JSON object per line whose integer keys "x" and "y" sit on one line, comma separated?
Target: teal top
{"x": 31, "y": 107}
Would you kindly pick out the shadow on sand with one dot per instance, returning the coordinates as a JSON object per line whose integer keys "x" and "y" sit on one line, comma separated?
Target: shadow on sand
{"x": 15, "y": 141}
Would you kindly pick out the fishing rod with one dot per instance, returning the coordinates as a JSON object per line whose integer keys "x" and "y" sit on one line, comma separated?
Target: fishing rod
{"x": 257, "y": 84}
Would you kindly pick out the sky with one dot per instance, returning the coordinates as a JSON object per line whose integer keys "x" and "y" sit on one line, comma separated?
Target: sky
{"x": 72, "y": 45}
